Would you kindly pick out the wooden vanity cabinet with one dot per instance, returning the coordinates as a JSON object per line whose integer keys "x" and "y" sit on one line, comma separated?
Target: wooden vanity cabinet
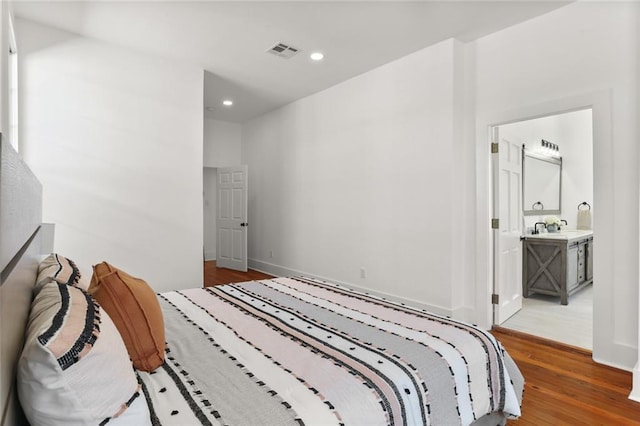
{"x": 588, "y": 251}
{"x": 556, "y": 266}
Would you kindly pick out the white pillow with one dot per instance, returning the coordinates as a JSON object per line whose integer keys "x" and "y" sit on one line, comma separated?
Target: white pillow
{"x": 74, "y": 368}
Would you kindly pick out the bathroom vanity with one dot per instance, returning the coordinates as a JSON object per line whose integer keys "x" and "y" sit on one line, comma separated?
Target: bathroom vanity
{"x": 557, "y": 264}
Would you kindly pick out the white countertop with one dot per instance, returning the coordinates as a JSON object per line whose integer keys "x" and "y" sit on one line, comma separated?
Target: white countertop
{"x": 564, "y": 234}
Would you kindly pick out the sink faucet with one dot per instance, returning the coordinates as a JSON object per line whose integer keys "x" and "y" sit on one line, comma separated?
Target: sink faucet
{"x": 565, "y": 222}
{"x": 535, "y": 227}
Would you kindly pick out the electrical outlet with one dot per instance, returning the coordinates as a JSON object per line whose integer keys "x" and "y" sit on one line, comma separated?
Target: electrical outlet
{"x": 363, "y": 273}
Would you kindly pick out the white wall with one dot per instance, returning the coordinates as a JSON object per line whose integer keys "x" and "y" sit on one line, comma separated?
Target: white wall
{"x": 210, "y": 180}
{"x": 222, "y": 147}
{"x": 589, "y": 50}
{"x": 635, "y": 393}
{"x": 374, "y": 172}
{"x": 222, "y": 143}
{"x": 364, "y": 175}
{"x": 5, "y": 12}
{"x": 116, "y": 137}
{"x": 572, "y": 132}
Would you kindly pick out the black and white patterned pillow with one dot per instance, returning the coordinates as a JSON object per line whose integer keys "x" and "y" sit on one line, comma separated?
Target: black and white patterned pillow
{"x": 59, "y": 269}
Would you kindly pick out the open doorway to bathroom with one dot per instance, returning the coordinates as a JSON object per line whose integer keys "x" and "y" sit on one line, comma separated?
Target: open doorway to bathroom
{"x": 542, "y": 314}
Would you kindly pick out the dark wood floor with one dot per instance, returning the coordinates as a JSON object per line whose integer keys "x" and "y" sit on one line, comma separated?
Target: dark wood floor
{"x": 216, "y": 276}
{"x": 563, "y": 384}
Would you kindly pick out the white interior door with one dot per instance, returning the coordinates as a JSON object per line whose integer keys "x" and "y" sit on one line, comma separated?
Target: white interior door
{"x": 507, "y": 207}
{"x": 232, "y": 218}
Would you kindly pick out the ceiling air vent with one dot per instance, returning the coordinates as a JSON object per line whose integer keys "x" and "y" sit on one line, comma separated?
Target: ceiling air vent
{"x": 283, "y": 50}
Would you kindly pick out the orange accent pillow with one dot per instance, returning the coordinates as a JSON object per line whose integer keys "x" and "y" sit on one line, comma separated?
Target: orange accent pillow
{"x": 133, "y": 306}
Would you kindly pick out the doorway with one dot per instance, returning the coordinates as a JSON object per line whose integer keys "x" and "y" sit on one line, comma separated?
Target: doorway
{"x": 231, "y": 217}
{"x": 543, "y": 315}
{"x": 225, "y": 216}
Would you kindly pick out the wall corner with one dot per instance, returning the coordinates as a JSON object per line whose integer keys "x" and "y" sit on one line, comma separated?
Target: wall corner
{"x": 635, "y": 390}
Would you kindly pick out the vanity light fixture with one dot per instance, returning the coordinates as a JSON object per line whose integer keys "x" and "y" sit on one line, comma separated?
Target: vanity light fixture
{"x": 549, "y": 148}
{"x": 317, "y": 56}
{"x": 227, "y": 102}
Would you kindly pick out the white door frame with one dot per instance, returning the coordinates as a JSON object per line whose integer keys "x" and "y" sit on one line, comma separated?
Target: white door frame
{"x": 604, "y": 345}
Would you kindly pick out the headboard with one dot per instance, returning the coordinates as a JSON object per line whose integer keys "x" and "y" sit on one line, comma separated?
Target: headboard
{"x": 22, "y": 241}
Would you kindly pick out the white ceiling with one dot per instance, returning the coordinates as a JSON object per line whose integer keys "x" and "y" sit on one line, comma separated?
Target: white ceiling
{"x": 229, "y": 39}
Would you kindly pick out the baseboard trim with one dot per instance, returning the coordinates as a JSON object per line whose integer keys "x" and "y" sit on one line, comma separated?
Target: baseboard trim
{"x": 464, "y": 313}
{"x": 635, "y": 390}
{"x": 547, "y": 342}
{"x": 281, "y": 271}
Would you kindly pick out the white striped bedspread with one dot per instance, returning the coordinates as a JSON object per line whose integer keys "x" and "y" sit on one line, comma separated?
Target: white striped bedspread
{"x": 299, "y": 351}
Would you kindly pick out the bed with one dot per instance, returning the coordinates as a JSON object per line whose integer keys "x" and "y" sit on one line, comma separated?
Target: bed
{"x": 312, "y": 352}
{"x": 284, "y": 351}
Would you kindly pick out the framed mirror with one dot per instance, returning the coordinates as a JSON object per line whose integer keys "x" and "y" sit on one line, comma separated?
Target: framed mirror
{"x": 541, "y": 184}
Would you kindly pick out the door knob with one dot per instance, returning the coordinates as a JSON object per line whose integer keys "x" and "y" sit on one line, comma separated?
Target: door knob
{"x": 244, "y": 224}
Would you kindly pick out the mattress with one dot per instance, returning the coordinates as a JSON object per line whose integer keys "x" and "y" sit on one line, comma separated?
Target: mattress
{"x": 300, "y": 351}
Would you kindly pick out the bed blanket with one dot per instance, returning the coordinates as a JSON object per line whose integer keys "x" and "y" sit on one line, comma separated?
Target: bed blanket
{"x": 300, "y": 351}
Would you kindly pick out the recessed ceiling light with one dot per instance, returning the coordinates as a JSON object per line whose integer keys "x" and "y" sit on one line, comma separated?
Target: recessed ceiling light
{"x": 210, "y": 108}
{"x": 316, "y": 56}
{"x": 227, "y": 102}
